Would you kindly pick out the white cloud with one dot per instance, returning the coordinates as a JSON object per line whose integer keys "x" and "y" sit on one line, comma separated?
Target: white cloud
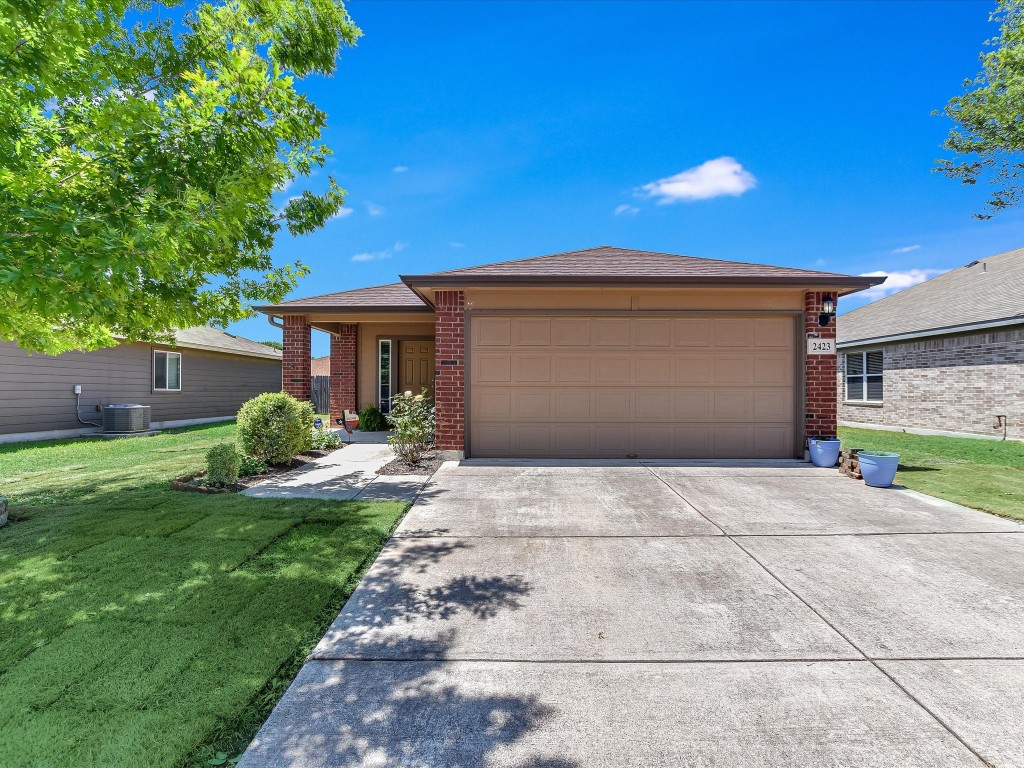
{"x": 621, "y": 210}
{"x": 714, "y": 178}
{"x": 907, "y": 249}
{"x": 343, "y": 213}
{"x": 400, "y": 168}
{"x": 896, "y": 281}
{"x": 457, "y": 245}
{"x": 374, "y": 210}
{"x": 387, "y": 253}
{"x": 284, "y": 186}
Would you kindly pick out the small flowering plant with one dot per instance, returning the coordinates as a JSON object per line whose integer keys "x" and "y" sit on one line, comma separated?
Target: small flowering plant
{"x": 412, "y": 422}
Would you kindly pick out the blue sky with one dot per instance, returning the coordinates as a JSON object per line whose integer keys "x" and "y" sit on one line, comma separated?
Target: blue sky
{"x": 798, "y": 134}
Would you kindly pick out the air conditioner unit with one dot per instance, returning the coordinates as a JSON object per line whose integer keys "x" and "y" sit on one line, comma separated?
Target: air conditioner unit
{"x": 124, "y": 418}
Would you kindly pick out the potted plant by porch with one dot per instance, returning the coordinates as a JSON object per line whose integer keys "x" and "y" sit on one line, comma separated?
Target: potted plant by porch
{"x": 879, "y": 467}
{"x": 824, "y": 451}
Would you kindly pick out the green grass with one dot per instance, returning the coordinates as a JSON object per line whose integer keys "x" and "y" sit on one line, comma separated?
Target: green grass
{"x": 144, "y": 626}
{"x": 984, "y": 474}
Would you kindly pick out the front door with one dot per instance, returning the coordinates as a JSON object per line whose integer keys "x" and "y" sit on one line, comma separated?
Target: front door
{"x": 417, "y": 367}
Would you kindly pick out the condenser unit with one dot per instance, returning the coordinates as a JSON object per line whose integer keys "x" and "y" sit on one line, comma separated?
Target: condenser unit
{"x": 123, "y": 418}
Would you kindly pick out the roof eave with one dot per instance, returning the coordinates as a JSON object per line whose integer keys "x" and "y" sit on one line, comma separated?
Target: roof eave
{"x": 941, "y": 331}
{"x": 854, "y": 282}
{"x": 290, "y": 309}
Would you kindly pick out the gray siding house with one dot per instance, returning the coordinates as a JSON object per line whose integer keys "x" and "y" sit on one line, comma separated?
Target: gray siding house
{"x": 204, "y": 377}
{"x": 945, "y": 356}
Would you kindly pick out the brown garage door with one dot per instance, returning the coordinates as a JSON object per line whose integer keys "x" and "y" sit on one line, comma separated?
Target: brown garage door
{"x": 650, "y": 387}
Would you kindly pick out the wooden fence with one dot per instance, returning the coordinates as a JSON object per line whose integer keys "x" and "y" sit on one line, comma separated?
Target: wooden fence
{"x": 321, "y": 393}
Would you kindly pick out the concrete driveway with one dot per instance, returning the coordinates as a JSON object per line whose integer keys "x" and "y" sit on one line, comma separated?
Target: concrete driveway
{"x": 765, "y": 615}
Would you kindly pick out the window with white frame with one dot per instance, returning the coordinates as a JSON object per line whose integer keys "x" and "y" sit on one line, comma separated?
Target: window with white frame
{"x": 864, "y": 376}
{"x": 384, "y": 374}
{"x": 167, "y": 371}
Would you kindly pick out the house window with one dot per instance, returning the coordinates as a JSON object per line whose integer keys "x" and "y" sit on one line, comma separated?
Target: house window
{"x": 167, "y": 371}
{"x": 864, "y": 376}
{"x": 384, "y": 374}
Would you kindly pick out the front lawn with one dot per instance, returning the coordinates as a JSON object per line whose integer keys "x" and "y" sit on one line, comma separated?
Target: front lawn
{"x": 984, "y": 474}
{"x": 144, "y": 626}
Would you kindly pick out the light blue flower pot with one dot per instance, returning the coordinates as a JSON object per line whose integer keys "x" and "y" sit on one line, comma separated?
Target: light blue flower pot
{"x": 824, "y": 451}
{"x": 879, "y": 467}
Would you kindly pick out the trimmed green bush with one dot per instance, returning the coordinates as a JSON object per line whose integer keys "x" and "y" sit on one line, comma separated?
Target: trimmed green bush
{"x": 222, "y": 463}
{"x": 325, "y": 440}
{"x": 371, "y": 419}
{"x": 251, "y": 466}
{"x": 274, "y": 427}
{"x": 412, "y": 419}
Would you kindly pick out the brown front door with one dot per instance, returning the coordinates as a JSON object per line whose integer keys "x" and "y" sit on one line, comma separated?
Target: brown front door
{"x": 417, "y": 367}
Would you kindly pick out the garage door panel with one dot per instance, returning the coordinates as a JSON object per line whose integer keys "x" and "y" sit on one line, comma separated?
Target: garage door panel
{"x": 652, "y": 404}
{"x": 773, "y": 368}
{"x": 653, "y": 370}
{"x": 733, "y": 369}
{"x": 570, "y": 332}
{"x": 691, "y": 332}
{"x": 612, "y": 332}
{"x": 527, "y": 369}
{"x": 492, "y": 332}
{"x": 691, "y": 369}
{"x": 654, "y": 333}
{"x": 492, "y": 369}
{"x": 652, "y": 387}
{"x": 531, "y": 332}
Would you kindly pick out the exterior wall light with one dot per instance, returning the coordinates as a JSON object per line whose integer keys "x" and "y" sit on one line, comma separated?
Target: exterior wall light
{"x": 828, "y": 310}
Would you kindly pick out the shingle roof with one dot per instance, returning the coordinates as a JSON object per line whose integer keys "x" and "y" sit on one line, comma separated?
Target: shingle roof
{"x": 393, "y": 296}
{"x": 606, "y": 263}
{"x": 216, "y": 340}
{"x": 986, "y": 291}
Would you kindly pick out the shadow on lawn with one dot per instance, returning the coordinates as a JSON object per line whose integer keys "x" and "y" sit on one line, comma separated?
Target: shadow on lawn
{"x": 381, "y": 689}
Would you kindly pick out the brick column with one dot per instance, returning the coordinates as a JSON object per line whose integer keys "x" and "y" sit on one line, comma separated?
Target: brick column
{"x": 820, "y": 405}
{"x": 450, "y": 379}
{"x": 343, "y": 370}
{"x": 295, "y": 363}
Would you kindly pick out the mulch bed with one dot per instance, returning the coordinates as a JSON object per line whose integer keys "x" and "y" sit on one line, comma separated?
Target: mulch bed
{"x": 196, "y": 484}
{"x": 427, "y": 465}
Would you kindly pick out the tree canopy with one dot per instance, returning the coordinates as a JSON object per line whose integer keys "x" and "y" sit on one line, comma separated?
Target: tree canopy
{"x": 989, "y": 136}
{"x": 141, "y": 144}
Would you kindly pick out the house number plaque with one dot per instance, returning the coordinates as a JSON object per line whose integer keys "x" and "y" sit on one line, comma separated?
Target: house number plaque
{"x": 821, "y": 346}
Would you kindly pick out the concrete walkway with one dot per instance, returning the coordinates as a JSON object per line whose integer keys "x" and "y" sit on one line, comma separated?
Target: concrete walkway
{"x": 348, "y": 473}
{"x": 751, "y": 615}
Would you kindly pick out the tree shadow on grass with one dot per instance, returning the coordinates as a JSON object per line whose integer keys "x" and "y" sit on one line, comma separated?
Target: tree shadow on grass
{"x": 383, "y": 688}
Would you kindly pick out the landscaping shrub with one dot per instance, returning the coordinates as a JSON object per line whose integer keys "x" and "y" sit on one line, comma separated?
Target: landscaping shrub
{"x": 325, "y": 440}
{"x": 412, "y": 419}
{"x": 222, "y": 464}
{"x": 274, "y": 427}
{"x": 372, "y": 420}
{"x": 250, "y": 465}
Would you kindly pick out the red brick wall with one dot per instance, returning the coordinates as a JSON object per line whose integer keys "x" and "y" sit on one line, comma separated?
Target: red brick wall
{"x": 450, "y": 383}
{"x": 820, "y": 376}
{"x": 343, "y": 369}
{"x": 296, "y": 357}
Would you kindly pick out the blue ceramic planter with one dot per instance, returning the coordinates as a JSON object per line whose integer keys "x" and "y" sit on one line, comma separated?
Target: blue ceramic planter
{"x": 879, "y": 467}
{"x": 824, "y": 451}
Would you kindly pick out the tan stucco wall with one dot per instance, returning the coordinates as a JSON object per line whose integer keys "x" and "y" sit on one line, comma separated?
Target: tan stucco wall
{"x": 638, "y": 300}
{"x": 369, "y": 333}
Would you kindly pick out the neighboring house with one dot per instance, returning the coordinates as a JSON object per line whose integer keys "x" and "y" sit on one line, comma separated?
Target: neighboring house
{"x": 205, "y": 377}
{"x": 605, "y": 352}
{"x": 320, "y": 366}
{"x": 946, "y": 355}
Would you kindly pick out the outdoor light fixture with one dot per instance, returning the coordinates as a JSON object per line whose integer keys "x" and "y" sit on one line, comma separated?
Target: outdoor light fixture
{"x": 828, "y": 309}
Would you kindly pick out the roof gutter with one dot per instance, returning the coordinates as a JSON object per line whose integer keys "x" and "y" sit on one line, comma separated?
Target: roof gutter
{"x": 942, "y": 331}
{"x": 856, "y": 282}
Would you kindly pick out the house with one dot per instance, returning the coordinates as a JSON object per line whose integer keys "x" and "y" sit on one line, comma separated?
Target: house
{"x": 604, "y": 352}
{"x": 205, "y": 376}
{"x": 320, "y": 366}
{"x": 946, "y": 355}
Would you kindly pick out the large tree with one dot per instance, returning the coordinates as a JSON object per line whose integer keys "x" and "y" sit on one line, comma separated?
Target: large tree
{"x": 141, "y": 143}
{"x": 989, "y": 137}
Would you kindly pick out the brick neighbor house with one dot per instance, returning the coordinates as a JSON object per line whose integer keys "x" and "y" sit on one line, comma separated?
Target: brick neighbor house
{"x": 946, "y": 355}
{"x": 604, "y": 352}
